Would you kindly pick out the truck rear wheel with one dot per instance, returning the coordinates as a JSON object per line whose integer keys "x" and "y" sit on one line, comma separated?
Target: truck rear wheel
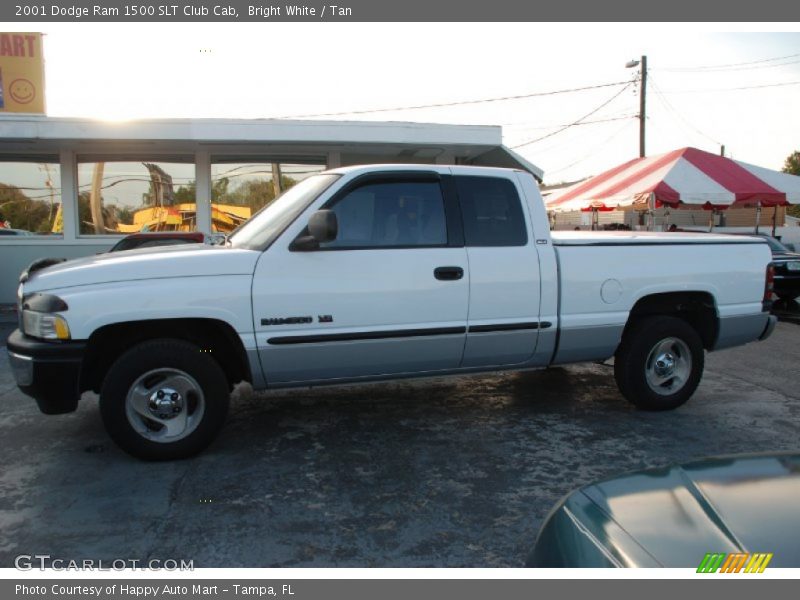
{"x": 164, "y": 399}
{"x": 659, "y": 363}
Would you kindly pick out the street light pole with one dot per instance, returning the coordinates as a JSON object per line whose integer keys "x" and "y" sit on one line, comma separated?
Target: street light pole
{"x": 642, "y": 64}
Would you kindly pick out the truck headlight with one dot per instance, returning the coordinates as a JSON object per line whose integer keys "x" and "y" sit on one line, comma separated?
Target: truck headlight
{"x": 39, "y": 318}
{"x": 44, "y": 325}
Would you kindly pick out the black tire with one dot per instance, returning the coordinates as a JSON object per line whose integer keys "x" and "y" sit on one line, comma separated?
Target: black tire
{"x": 668, "y": 338}
{"x": 177, "y": 368}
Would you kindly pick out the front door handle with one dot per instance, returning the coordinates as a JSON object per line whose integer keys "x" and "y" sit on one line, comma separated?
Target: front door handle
{"x": 448, "y": 273}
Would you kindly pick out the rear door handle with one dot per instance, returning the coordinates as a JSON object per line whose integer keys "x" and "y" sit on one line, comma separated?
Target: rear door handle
{"x": 448, "y": 273}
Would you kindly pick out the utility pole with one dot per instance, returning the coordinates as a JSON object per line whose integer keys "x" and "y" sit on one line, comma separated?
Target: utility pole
{"x": 96, "y": 198}
{"x": 277, "y": 188}
{"x": 642, "y": 64}
{"x": 642, "y": 105}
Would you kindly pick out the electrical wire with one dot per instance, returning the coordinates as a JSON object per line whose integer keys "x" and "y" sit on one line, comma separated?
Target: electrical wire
{"x": 528, "y": 124}
{"x": 733, "y": 89}
{"x": 458, "y": 103}
{"x": 619, "y": 118}
{"x": 577, "y": 121}
{"x": 668, "y": 105}
{"x": 730, "y": 66}
{"x": 613, "y": 136}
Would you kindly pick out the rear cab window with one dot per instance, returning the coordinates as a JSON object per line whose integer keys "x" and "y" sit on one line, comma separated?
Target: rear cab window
{"x": 491, "y": 211}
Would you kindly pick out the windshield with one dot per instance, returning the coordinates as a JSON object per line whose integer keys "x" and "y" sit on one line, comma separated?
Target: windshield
{"x": 268, "y": 223}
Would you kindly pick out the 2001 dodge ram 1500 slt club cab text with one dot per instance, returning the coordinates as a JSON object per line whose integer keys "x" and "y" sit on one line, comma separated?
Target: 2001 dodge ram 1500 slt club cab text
{"x": 378, "y": 272}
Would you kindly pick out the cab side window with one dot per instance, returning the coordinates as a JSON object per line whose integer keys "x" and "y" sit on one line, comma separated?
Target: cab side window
{"x": 392, "y": 214}
{"x": 491, "y": 210}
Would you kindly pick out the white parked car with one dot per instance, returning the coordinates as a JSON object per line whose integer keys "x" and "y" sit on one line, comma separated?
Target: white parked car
{"x": 378, "y": 272}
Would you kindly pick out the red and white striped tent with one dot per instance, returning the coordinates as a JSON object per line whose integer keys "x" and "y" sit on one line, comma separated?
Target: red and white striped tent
{"x": 686, "y": 176}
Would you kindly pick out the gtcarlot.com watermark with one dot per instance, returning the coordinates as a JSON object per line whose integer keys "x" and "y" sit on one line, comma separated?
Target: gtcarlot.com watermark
{"x": 42, "y": 562}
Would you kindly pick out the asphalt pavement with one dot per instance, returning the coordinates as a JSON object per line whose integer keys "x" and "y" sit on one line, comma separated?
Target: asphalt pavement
{"x": 448, "y": 472}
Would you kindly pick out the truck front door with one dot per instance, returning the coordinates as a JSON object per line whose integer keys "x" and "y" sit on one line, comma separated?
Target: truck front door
{"x": 388, "y": 296}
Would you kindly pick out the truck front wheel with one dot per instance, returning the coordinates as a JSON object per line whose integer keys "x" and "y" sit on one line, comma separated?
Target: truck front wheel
{"x": 164, "y": 399}
{"x": 659, "y": 363}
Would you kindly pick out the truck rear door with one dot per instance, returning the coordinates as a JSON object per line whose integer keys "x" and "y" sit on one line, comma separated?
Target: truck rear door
{"x": 504, "y": 283}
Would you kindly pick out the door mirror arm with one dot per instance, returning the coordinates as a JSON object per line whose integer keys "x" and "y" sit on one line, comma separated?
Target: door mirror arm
{"x": 304, "y": 243}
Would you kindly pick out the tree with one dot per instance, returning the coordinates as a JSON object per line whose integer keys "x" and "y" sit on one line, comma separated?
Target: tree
{"x": 186, "y": 194}
{"x": 85, "y": 222}
{"x": 792, "y": 166}
{"x": 23, "y": 212}
{"x": 254, "y": 193}
{"x": 84, "y": 214}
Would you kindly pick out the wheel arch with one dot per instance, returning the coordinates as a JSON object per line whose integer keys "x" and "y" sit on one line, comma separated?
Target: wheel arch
{"x": 698, "y": 308}
{"x": 109, "y": 342}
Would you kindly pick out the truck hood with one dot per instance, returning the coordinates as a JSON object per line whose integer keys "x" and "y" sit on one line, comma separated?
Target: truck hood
{"x": 674, "y": 516}
{"x": 190, "y": 260}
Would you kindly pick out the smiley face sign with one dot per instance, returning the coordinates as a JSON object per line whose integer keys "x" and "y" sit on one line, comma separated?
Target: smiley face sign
{"x": 22, "y": 91}
{"x": 22, "y": 73}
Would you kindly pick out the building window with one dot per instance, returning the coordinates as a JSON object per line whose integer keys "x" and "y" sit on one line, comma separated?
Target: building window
{"x": 240, "y": 189}
{"x": 30, "y": 197}
{"x": 127, "y": 196}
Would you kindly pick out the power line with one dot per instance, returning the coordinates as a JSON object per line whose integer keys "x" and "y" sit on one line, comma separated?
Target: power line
{"x": 458, "y": 103}
{"x": 620, "y": 118}
{"x": 783, "y": 64}
{"x": 577, "y": 121}
{"x": 528, "y": 124}
{"x": 733, "y": 89}
{"x": 730, "y": 65}
{"x": 592, "y": 152}
{"x": 666, "y": 103}
{"x": 737, "y": 69}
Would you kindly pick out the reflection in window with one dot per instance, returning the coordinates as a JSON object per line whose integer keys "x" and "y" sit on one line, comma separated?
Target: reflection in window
{"x": 120, "y": 197}
{"x": 239, "y": 190}
{"x": 392, "y": 214}
{"x": 30, "y": 198}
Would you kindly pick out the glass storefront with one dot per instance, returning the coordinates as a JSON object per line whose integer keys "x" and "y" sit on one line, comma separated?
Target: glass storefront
{"x": 127, "y": 196}
{"x": 240, "y": 189}
{"x": 30, "y": 197}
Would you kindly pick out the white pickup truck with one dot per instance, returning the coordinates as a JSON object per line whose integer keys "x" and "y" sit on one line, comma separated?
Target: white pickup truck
{"x": 378, "y": 272}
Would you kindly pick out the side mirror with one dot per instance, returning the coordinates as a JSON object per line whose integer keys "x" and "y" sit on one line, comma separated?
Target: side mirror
{"x": 322, "y": 227}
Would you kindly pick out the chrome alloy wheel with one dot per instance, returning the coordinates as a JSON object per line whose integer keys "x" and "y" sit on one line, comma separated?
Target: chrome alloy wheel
{"x": 668, "y": 366}
{"x": 165, "y": 405}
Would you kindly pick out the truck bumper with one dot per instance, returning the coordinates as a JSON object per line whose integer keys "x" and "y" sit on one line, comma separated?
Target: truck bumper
{"x": 769, "y": 328}
{"x": 48, "y": 372}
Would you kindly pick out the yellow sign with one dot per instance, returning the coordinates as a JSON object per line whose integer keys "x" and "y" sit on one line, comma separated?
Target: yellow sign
{"x": 21, "y": 73}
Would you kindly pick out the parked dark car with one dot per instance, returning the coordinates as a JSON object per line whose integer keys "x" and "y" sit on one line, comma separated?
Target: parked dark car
{"x": 787, "y": 269}
{"x": 675, "y": 516}
{"x": 151, "y": 239}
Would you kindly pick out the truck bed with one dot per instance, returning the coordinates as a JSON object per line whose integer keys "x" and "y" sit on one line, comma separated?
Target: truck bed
{"x": 601, "y": 282}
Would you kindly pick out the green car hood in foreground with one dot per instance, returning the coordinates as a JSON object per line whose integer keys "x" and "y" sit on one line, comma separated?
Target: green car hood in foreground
{"x": 674, "y": 516}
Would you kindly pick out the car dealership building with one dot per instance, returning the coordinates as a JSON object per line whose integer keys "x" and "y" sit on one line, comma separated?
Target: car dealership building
{"x": 72, "y": 187}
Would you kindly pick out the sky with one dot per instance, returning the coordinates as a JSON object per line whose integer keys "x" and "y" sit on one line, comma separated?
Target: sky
{"x": 275, "y": 70}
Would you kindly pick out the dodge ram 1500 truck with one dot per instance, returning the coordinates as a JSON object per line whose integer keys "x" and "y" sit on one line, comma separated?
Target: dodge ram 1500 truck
{"x": 378, "y": 272}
